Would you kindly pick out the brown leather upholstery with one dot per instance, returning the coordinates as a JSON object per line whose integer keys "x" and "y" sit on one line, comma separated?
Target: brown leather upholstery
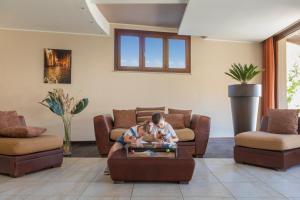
{"x": 103, "y": 124}
{"x": 179, "y": 169}
{"x": 267, "y": 158}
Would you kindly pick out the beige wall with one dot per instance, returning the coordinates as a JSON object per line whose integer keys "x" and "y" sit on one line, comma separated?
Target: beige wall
{"x": 204, "y": 91}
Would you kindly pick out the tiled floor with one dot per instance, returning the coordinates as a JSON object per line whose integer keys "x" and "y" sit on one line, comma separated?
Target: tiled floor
{"x": 214, "y": 178}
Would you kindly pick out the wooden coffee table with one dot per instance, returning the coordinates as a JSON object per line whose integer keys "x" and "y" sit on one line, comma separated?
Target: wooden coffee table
{"x": 162, "y": 166}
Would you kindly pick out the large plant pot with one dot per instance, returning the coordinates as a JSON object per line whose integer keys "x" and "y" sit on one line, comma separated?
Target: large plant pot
{"x": 244, "y": 106}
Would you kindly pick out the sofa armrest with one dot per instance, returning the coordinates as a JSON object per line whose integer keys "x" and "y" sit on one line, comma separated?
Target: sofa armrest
{"x": 103, "y": 125}
{"x": 264, "y": 124}
{"x": 201, "y": 127}
{"x": 22, "y": 120}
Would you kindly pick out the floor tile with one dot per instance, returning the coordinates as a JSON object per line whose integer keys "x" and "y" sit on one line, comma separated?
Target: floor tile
{"x": 100, "y": 189}
{"x": 261, "y": 198}
{"x": 287, "y": 188}
{"x": 18, "y": 188}
{"x": 204, "y": 189}
{"x": 250, "y": 189}
{"x": 60, "y": 197}
{"x": 156, "y": 190}
{"x": 61, "y": 188}
{"x": 209, "y": 198}
{"x": 104, "y": 198}
{"x": 12, "y": 197}
{"x": 156, "y": 198}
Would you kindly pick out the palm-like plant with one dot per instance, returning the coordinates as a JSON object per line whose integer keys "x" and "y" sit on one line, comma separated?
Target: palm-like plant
{"x": 243, "y": 73}
{"x": 65, "y": 107}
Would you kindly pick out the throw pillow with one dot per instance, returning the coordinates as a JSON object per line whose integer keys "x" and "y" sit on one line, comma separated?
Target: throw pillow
{"x": 9, "y": 118}
{"x": 283, "y": 121}
{"x": 187, "y": 115}
{"x": 175, "y": 120}
{"x": 124, "y": 118}
{"x": 22, "y": 132}
{"x": 145, "y": 114}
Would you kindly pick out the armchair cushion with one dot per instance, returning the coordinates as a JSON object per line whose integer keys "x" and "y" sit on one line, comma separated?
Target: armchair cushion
{"x": 22, "y": 146}
{"x": 124, "y": 118}
{"x": 267, "y": 141}
{"x": 22, "y": 131}
{"x": 187, "y": 115}
{"x": 9, "y": 118}
{"x": 283, "y": 121}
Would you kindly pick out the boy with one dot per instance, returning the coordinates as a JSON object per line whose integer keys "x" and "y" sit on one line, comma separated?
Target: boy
{"x": 162, "y": 130}
{"x": 130, "y": 136}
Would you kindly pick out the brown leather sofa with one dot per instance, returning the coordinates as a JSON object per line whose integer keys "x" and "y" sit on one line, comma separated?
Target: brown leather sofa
{"x": 277, "y": 151}
{"x": 200, "y": 127}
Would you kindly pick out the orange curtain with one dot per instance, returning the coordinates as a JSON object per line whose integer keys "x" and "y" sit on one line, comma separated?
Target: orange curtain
{"x": 268, "y": 76}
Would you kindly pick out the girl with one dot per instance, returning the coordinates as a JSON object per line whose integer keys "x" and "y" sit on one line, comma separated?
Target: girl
{"x": 130, "y": 136}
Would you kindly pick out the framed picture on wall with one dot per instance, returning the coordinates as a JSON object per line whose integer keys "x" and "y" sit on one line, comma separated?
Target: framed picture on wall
{"x": 57, "y": 66}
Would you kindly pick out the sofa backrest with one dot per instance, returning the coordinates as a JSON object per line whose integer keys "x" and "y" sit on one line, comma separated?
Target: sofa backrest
{"x": 264, "y": 124}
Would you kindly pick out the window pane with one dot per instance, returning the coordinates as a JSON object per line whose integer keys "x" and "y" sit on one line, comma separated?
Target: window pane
{"x": 154, "y": 52}
{"x": 176, "y": 53}
{"x": 129, "y": 51}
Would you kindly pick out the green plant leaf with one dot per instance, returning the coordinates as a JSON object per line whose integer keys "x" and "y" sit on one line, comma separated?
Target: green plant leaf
{"x": 80, "y": 106}
{"x": 243, "y": 73}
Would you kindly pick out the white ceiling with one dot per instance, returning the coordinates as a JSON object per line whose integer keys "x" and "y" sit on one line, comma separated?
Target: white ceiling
{"x": 245, "y": 20}
{"x": 242, "y": 20}
{"x": 71, "y": 16}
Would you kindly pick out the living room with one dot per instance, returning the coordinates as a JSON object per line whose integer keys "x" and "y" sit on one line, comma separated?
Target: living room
{"x": 87, "y": 42}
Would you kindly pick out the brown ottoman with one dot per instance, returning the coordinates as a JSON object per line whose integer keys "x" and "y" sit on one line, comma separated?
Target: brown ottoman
{"x": 146, "y": 169}
{"x": 19, "y": 156}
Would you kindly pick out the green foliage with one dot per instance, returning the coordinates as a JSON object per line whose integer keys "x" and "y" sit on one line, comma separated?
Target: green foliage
{"x": 62, "y": 105}
{"x": 293, "y": 82}
{"x": 80, "y": 106}
{"x": 243, "y": 74}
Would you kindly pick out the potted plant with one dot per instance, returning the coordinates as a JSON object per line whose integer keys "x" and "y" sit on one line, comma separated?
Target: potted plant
{"x": 244, "y": 97}
{"x": 65, "y": 107}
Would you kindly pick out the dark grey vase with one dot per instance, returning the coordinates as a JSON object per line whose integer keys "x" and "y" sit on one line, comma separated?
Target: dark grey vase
{"x": 244, "y": 106}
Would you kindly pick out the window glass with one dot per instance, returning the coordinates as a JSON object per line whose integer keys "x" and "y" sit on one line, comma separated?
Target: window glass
{"x": 153, "y": 52}
{"x": 177, "y": 54}
{"x": 129, "y": 51}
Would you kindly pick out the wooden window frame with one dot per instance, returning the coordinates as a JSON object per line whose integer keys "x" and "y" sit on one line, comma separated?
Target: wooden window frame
{"x": 165, "y": 36}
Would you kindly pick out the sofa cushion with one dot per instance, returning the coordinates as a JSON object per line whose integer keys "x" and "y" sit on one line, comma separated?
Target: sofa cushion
{"x": 184, "y": 134}
{"x": 267, "y": 141}
{"x": 187, "y": 115}
{"x": 9, "y": 118}
{"x": 117, "y": 132}
{"x": 145, "y": 114}
{"x": 22, "y": 131}
{"x": 283, "y": 121}
{"x": 22, "y": 146}
{"x": 175, "y": 120}
{"x": 124, "y": 118}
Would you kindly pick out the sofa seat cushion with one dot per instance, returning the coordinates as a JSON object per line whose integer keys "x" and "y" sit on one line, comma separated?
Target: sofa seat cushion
{"x": 184, "y": 134}
{"x": 267, "y": 141}
{"x": 117, "y": 132}
{"x": 22, "y": 146}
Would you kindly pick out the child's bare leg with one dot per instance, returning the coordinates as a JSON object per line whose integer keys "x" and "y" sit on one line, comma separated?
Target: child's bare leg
{"x": 115, "y": 147}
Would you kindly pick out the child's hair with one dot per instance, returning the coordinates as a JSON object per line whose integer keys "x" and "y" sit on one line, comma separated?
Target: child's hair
{"x": 145, "y": 126}
{"x": 156, "y": 117}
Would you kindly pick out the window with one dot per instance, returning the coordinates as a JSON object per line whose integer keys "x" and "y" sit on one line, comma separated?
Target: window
{"x": 151, "y": 51}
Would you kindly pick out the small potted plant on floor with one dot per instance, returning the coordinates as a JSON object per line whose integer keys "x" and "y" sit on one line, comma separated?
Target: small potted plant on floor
{"x": 244, "y": 97}
{"x": 65, "y": 107}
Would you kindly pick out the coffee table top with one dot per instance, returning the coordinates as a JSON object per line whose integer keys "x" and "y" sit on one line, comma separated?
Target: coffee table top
{"x": 151, "y": 149}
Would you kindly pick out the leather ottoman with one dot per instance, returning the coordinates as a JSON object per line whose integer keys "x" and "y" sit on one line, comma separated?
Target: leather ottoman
{"x": 146, "y": 169}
